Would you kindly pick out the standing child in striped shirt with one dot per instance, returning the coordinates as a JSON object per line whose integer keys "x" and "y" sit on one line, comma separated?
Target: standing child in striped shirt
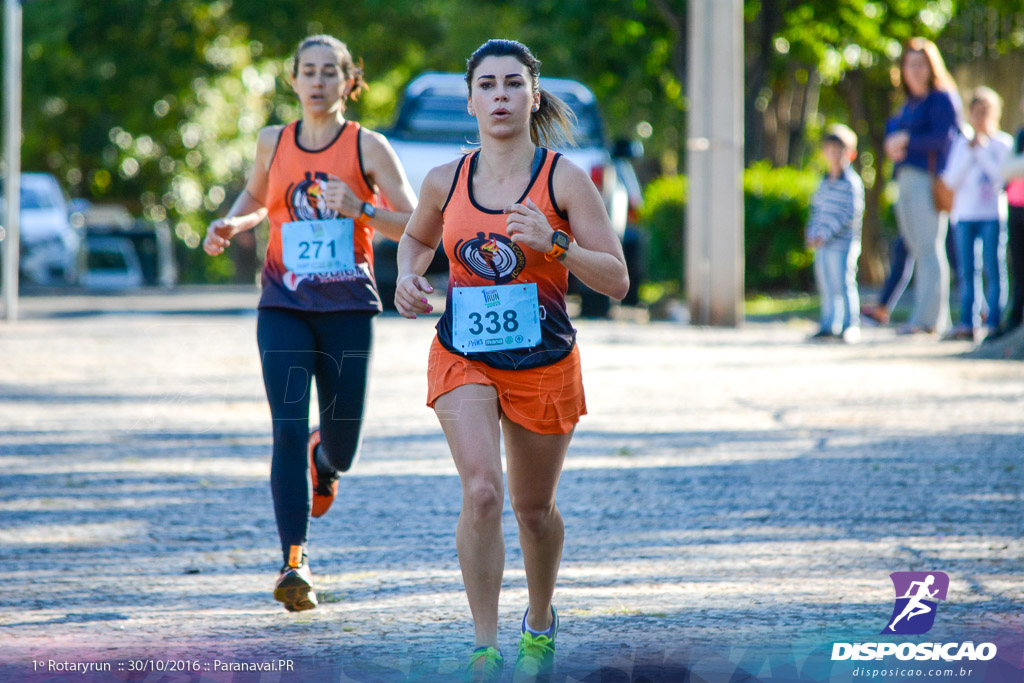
{"x": 833, "y": 231}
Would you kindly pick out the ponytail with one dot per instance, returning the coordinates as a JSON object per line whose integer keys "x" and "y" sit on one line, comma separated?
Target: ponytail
{"x": 553, "y": 123}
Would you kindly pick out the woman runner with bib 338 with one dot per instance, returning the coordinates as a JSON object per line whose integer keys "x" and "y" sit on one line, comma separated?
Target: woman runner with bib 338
{"x": 515, "y": 219}
{"x": 318, "y": 180}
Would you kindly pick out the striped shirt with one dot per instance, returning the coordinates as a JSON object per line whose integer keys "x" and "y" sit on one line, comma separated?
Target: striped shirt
{"x": 837, "y": 209}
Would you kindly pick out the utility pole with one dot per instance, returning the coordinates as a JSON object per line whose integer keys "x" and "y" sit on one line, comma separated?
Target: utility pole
{"x": 714, "y": 211}
{"x": 12, "y": 155}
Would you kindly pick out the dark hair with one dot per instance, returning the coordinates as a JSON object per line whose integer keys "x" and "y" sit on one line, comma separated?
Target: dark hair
{"x": 553, "y": 122}
{"x": 349, "y": 69}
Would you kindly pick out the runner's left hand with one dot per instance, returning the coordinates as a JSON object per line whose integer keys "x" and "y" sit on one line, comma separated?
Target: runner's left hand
{"x": 526, "y": 224}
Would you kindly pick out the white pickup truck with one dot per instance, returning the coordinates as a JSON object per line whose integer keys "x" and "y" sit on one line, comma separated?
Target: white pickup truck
{"x": 433, "y": 127}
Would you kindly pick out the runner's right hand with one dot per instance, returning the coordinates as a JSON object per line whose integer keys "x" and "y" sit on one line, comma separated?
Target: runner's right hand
{"x": 218, "y": 236}
{"x": 411, "y": 295}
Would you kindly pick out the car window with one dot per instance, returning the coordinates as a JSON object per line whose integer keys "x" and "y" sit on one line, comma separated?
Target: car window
{"x": 588, "y": 131}
{"x": 434, "y": 115}
{"x": 106, "y": 259}
{"x": 32, "y": 198}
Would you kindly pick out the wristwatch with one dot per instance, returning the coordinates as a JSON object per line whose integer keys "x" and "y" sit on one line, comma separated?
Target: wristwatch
{"x": 560, "y": 241}
{"x": 369, "y": 209}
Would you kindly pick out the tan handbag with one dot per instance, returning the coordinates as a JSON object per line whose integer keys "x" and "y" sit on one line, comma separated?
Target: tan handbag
{"x": 941, "y": 193}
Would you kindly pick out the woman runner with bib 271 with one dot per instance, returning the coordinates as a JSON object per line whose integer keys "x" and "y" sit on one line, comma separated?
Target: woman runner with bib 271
{"x": 515, "y": 218}
{"x": 317, "y": 179}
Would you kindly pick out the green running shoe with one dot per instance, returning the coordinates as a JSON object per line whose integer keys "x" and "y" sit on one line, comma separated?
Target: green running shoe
{"x": 536, "y": 661}
{"x": 485, "y": 665}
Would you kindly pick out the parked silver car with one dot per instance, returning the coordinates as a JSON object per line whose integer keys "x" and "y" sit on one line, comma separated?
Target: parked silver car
{"x": 122, "y": 252}
{"x": 112, "y": 263}
{"x": 52, "y": 250}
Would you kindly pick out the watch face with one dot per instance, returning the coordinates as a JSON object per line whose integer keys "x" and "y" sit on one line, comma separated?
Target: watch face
{"x": 369, "y": 209}
{"x": 560, "y": 239}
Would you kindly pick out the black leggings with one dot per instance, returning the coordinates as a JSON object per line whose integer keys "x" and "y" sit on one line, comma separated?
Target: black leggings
{"x": 1015, "y": 230}
{"x": 294, "y": 347}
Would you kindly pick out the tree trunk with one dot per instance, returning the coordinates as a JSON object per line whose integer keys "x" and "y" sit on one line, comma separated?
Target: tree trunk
{"x": 868, "y": 107}
{"x": 808, "y": 110}
{"x": 675, "y": 19}
{"x": 756, "y": 73}
{"x": 783, "y": 101}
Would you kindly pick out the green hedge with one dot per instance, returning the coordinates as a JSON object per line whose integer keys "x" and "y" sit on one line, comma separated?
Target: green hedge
{"x": 662, "y": 219}
{"x": 776, "y": 202}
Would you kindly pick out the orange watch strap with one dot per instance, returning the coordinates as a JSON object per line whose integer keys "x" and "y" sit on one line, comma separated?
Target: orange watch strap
{"x": 556, "y": 252}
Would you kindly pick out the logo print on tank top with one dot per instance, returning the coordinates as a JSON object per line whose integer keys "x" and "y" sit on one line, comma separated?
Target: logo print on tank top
{"x": 305, "y": 199}
{"x": 493, "y": 256}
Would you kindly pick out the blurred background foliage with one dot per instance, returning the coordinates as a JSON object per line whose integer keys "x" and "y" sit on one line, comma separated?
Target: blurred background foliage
{"x": 155, "y": 104}
{"x": 775, "y": 202}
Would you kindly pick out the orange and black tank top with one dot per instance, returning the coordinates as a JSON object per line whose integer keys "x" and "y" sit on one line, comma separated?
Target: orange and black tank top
{"x": 294, "y": 194}
{"x": 480, "y": 253}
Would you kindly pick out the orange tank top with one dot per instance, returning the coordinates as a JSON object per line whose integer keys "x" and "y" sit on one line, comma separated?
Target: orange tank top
{"x": 293, "y": 194}
{"x": 480, "y": 253}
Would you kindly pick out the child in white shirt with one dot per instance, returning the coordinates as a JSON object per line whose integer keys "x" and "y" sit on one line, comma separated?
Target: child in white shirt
{"x": 973, "y": 172}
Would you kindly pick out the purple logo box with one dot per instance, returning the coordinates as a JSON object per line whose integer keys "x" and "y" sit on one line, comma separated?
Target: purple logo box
{"x": 917, "y": 598}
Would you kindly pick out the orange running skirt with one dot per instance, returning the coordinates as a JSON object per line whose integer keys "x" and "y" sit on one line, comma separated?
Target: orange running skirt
{"x": 546, "y": 400}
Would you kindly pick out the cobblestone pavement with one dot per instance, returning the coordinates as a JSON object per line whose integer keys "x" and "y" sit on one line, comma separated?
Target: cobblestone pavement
{"x": 727, "y": 486}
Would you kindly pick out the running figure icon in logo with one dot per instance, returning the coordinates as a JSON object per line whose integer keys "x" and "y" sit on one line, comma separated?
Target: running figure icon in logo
{"x": 915, "y": 597}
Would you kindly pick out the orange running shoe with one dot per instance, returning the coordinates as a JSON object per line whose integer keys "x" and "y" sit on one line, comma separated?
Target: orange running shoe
{"x": 325, "y": 483}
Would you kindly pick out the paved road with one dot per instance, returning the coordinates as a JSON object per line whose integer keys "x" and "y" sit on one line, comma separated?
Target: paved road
{"x": 728, "y": 488}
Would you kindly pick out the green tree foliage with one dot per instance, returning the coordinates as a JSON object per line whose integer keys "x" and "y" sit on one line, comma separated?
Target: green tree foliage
{"x": 665, "y": 201}
{"x": 630, "y": 52}
{"x": 151, "y": 104}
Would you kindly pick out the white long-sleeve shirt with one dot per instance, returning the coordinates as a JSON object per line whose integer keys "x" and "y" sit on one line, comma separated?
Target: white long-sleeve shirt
{"x": 973, "y": 173}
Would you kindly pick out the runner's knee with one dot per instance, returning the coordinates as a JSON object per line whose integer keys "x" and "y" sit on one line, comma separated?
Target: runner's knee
{"x": 483, "y": 498}
{"x": 339, "y": 442}
{"x": 534, "y": 519}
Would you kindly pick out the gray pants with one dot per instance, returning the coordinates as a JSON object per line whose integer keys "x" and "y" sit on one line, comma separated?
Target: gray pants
{"x": 923, "y": 230}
